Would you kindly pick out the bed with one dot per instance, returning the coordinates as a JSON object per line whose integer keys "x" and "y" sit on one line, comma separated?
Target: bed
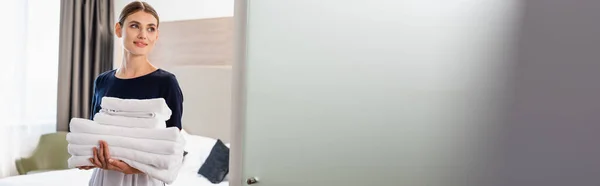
{"x": 207, "y": 94}
{"x": 198, "y": 148}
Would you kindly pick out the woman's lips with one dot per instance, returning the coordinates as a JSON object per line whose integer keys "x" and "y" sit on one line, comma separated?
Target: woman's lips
{"x": 140, "y": 44}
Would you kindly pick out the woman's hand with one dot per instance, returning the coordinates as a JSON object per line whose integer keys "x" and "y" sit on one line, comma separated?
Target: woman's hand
{"x": 103, "y": 160}
{"x": 123, "y": 167}
{"x": 86, "y": 167}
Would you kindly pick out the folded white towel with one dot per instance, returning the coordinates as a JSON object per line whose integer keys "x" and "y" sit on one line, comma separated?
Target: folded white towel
{"x": 165, "y": 175}
{"x": 134, "y": 114}
{"x": 146, "y": 145}
{"x": 157, "y": 160}
{"x": 79, "y": 125}
{"x": 154, "y": 108}
{"x": 122, "y": 121}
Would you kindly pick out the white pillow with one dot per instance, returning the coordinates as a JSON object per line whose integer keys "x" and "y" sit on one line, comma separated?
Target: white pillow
{"x": 198, "y": 148}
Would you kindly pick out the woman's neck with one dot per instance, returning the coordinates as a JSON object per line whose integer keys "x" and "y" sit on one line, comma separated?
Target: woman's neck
{"x": 134, "y": 66}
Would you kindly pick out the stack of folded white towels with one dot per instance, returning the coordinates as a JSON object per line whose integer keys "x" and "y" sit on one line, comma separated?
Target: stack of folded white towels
{"x": 135, "y": 132}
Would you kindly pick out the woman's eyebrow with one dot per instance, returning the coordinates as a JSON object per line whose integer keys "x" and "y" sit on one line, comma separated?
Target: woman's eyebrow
{"x": 136, "y": 22}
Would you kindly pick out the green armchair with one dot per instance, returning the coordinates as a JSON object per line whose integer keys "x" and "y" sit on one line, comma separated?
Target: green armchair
{"x": 50, "y": 154}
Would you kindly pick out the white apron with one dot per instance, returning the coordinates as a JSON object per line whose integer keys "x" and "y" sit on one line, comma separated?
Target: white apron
{"x": 102, "y": 177}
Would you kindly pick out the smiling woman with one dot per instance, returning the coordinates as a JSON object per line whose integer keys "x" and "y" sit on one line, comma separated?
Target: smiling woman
{"x": 136, "y": 78}
{"x": 132, "y": 20}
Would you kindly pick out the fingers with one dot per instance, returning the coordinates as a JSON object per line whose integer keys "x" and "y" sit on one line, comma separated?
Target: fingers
{"x": 101, "y": 157}
{"x": 82, "y": 167}
{"x": 107, "y": 160}
{"x": 106, "y": 152}
{"x": 85, "y": 167}
{"x": 124, "y": 167}
{"x": 96, "y": 160}
{"x": 118, "y": 164}
{"x": 106, "y": 155}
{"x": 117, "y": 167}
{"x": 103, "y": 160}
{"x": 113, "y": 166}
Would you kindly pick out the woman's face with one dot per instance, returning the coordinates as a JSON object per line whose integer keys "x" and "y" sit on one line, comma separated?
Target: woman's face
{"x": 139, "y": 32}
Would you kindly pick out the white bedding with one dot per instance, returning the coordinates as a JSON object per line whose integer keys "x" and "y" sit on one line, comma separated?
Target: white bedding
{"x": 76, "y": 177}
{"x": 198, "y": 149}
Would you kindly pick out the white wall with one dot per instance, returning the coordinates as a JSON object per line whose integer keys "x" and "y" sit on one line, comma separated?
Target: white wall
{"x": 177, "y": 10}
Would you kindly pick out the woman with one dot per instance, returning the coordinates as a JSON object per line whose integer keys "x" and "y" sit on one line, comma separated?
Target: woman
{"x": 136, "y": 78}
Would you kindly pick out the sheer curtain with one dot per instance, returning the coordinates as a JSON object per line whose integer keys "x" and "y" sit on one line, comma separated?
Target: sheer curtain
{"x": 28, "y": 77}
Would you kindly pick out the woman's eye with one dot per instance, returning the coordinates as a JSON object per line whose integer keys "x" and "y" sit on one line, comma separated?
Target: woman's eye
{"x": 134, "y": 26}
{"x": 151, "y": 29}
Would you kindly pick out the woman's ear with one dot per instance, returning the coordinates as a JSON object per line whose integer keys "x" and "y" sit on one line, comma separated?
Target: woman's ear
{"x": 118, "y": 30}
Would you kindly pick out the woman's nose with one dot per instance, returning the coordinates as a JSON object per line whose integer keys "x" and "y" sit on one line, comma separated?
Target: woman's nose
{"x": 142, "y": 35}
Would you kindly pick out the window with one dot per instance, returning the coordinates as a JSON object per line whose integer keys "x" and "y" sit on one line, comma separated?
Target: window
{"x": 28, "y": 80}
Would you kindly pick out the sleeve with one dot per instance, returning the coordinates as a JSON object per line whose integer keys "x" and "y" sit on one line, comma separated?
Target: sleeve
{"x": 174, "y": 98}
{"x": 94, "y": 102}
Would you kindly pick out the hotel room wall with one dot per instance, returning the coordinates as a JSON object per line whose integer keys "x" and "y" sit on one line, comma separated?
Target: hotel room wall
{"x": 196, "y": 44}
{"x": 180, "y": 11}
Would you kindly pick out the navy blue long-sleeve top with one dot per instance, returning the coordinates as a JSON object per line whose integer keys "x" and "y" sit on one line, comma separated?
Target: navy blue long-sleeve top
{"x": 157, "y": 84}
